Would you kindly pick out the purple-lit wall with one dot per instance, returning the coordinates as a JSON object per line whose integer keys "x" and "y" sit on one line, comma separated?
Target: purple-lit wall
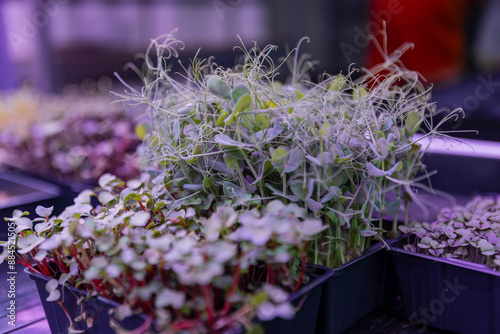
{"x": 7, "y": 79}
{"x": 40, "y": 33}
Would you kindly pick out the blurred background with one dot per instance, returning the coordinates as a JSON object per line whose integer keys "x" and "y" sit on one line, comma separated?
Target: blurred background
{"x": 57, "y": 45}
{"x": 52, "y": 43}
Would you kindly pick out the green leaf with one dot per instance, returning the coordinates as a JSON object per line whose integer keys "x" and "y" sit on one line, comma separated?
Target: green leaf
{"x": 269, "y": 105}
{"x": 393, "y": 207}
{"x": 241, "y": 100}
{"x": 126, "y": 194}
{"x": 218, "y": 87}
{"x": 230, "y": 119}
{"x": 323, "y": 130}
{"x": 279, "y": 155}
{"x": 208, "y": 182}
{"x": 359, "y": 93}
{"x": 238, "y": 92}
{"x": 412, "y": 123}
{"x": 231, "y": 161}
{"x": 299, "y": 95}
{"x": 222, "y": 117}
{"x": 333, "y": 216}
{"x": 261, "y": 121}
{"x": 248, "y": 121}
{"x": 299, "y": 189}
{"x": 337, "y": 83}
{"x": 141, "y": 130}
{"x": 244, "y": 102}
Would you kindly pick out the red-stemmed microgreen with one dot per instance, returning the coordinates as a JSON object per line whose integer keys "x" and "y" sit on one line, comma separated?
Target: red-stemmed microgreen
{"x": 207, "y": 273}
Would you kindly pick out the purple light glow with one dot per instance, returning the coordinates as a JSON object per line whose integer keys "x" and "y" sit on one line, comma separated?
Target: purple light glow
{"x": 461, "y": 147}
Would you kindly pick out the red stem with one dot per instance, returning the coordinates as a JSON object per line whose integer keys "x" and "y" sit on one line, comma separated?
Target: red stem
{"x": 60, "y": 263}
{"x": 75, "y": 254}
{"x": 47, "y": 266}
{"x": 142, "y": 206}
{"x": 269, "y": 275}
{"x": 99, "y": 287}
{"x": 232, "y": 290}
{"x": 29, "y": 266}
{"x": 209, "y": 304}
{"x": 302, "y": 273}
{"x": 91, "y": 248}
{"x": 44, "y": 270}
{"x": 186, "y": 324}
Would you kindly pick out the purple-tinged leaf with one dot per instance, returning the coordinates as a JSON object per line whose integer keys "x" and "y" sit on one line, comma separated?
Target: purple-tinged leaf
{"x": 313, "y": 205}
{"x": 374, "y": 171}
{"x": 294, "y": 161}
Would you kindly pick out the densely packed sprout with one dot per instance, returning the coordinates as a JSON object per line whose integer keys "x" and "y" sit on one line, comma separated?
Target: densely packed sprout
{"x": 184, "y": 271}
{"x": 74, "y": 138}
{"x": 470, "y": 232}
{"x": 342, "y": 148}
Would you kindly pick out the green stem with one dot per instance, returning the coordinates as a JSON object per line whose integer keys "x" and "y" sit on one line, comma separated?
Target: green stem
{"x": 395, "y": 220}
{"x": 329, "y": 248}
{"x": 284, "y": 184}
{"x": 242, "y": 179}
{"x": 382, "y": 205}
{"x": 406, "y": 213}
{"x": 316, "y": 251}
{"x": 185, "y": 173}
{"x": 255, "y": 175}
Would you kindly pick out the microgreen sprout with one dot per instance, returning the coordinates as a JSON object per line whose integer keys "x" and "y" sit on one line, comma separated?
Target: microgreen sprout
{"x": 470, "y": 233}
{"x": 72, "y": 138}
{"x": 184, "y": 271}
{"x": 342, "y": 148}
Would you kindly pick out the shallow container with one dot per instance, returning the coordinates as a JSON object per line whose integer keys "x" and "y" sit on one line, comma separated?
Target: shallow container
{"x": 447, "y": 294}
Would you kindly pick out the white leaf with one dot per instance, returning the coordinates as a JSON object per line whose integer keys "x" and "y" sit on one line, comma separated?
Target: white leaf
{"x": 141, "y": 218}
{"x": 84, "y": 197}
{"x": 51, "y": 288}
{"x": 169, "y": 297}
{"x": 23, "y": 223}
{"x": 311, "y": 227}
{"x": 105, "y": 179}
{"x": 374, "y": 171}
{"x": 44, "y": 212}
{"x": 226, "y": 141}
{"x": 105, "y": 197}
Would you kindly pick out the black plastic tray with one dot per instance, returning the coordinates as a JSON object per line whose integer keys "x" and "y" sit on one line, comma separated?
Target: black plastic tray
{"x": 310, "y": 295}
{"x": 448, "y": 294}
{"x": 356, "y": 289}
{"x": 96, "y": 308}
{"x": 304, "y": 321}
